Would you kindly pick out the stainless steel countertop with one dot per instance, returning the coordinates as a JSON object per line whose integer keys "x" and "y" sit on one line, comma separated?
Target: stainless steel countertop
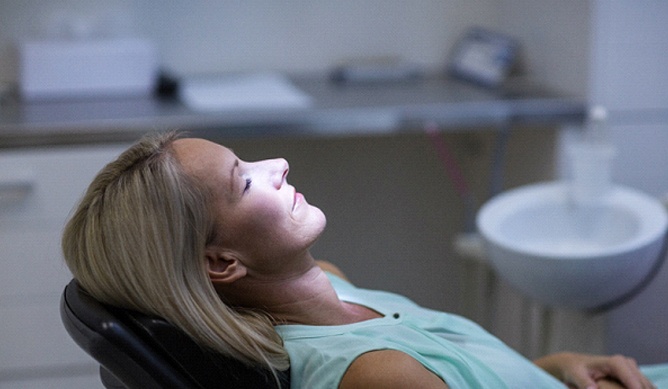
{"x": 338, "y": 110}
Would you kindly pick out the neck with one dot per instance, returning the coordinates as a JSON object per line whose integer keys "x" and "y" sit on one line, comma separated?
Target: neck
{"x": 303, "y": 297}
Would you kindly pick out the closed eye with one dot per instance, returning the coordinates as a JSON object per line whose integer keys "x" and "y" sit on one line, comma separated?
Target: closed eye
{"x": 248, "y": 184}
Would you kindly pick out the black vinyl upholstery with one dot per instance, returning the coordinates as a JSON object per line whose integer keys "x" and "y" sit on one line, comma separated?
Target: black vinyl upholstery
{"x": 138, "y": 351}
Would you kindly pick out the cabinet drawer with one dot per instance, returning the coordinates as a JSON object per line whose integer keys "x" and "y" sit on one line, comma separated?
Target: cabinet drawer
{"x": 42, "y": 184}
{"x": 40, "y": 189}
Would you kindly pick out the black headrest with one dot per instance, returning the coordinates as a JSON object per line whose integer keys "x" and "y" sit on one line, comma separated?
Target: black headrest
{"x": 147, "y": 352}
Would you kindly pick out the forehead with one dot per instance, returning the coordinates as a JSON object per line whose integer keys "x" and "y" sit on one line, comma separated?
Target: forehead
{"x": 202, "y": 158}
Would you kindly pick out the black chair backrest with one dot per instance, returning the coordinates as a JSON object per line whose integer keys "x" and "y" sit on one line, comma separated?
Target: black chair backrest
{"x": 138, "y": 351}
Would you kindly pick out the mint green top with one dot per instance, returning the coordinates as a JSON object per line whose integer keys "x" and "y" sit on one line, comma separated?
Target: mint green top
{"x": 459, "y": 351}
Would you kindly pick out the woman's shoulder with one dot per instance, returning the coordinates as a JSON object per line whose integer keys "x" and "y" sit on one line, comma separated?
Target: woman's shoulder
{"x": 389, "y": 369}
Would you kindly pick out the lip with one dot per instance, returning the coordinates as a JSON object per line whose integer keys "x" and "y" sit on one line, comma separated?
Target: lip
{"x": 298, "y": 199}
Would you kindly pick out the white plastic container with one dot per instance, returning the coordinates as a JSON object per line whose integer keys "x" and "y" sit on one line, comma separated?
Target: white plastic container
{"x": 591, "y": 172}
{"x": 82, "y": 68}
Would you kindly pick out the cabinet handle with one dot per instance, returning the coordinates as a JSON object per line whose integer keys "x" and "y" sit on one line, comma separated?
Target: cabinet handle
{"x": 15, "y": 191}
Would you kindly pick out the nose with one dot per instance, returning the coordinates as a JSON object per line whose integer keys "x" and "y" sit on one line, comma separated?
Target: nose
{"x": 279, "y": 171}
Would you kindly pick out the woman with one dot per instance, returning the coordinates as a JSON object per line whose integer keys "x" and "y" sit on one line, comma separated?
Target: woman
{"x": 183, "y": 229}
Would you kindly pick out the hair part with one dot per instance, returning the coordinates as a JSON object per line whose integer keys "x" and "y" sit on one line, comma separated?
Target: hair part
{"x": 137, "y": 240}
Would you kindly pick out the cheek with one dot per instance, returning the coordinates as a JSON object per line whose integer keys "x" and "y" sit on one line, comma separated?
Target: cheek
{"x": 257, "y": 226}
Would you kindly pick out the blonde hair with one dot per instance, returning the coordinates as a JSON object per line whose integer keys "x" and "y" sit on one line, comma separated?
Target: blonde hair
{"x": 137, "y": 240}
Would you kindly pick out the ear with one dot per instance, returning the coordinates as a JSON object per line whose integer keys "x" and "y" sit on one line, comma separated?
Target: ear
{"x": 224, "y": 266}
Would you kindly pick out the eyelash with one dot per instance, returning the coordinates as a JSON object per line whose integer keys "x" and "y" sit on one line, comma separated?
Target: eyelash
{"x": 248, "y": 184}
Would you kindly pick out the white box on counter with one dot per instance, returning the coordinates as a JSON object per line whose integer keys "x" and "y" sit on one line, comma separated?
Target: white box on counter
{"x": 51, "y": 69}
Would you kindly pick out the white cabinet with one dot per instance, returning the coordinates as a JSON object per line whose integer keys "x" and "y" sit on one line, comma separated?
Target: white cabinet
{"x": 38, "y": 189}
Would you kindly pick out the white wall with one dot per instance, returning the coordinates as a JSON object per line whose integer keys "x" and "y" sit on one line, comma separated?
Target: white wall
{"x": 555, "y": 40}
{"x": 292, "y": 35}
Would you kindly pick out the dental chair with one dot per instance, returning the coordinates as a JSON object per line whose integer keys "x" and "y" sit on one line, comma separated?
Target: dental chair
{"x": 138, "y": 351}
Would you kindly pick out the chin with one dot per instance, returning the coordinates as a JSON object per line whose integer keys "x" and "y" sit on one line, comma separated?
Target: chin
{"x": 319, "y": 223}
{"x": 323, "y": 218}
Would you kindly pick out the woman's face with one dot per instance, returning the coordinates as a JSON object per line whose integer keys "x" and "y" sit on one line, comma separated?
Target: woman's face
{"x": 260, "y": 217}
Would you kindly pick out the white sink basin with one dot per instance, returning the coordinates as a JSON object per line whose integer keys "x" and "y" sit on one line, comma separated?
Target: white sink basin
{"x": 580, "y": 256}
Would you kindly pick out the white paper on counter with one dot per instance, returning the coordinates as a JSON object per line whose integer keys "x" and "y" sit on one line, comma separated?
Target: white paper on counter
{"x": 238, "y": 92}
